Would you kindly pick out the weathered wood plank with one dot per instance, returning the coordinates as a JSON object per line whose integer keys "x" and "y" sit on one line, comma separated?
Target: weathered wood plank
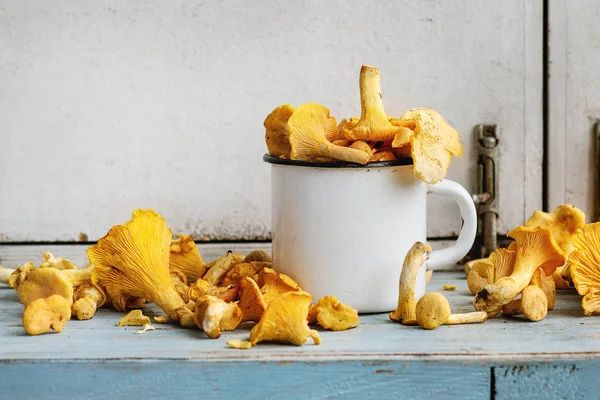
{"x": 249, "y": 380}
{"x": 574, "y": 109}
{"x": 552, "y": 381}
{"x": 564, "y": 335}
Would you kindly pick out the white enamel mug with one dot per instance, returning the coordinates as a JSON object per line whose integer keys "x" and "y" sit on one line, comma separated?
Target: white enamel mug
{"x": 343, "y": 230}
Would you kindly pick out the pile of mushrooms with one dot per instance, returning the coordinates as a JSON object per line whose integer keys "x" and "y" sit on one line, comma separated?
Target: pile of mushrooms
{"x": 139, "y": 262}
{"x": 310, "y": 133}
{"x": 523, "y": 279}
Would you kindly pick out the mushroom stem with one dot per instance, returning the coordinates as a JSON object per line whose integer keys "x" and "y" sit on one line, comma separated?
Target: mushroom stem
{"x": 85, "y": 306}
{"x": 533, "y": 304}
{"x": 415, "y": 258}
{"x": 466, "y": 318}
{"x": 5, "y": 274}
{"x": 434, "y": 310}
{"x": 374, "y": 124}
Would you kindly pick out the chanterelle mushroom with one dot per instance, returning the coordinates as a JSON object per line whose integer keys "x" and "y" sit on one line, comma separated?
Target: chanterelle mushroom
{"x": 132, "y": 260}
{"x": 585, "y": 267}
{"x": 374, "y": 124}
{"x": 219, "y": 268}
{"x": 44, "y": 314}
{"x": 243, "y": 269}
{"x": 136, "y": 318}
{"x": 433, "y": 144}
{"x": 213, "y": 315}
{"x": 277, "y": 131}
{"x": 535, "y": 248}
{"x": 309, "y": 127}
{"x": 19, "y": 274}
{"x": 186, "y": 259}
{"x": 563, "y": 222}
{"x": 533, "y": 304}
{"x": 251, "y": 300}
{"x": 87, "y": 298}
{"x": 285, "y": 321}
{"x": 49, "y": 260}
{"x": 500, "y": 264}
{"x": 273, "y": 284}
{"x": 434, "y": 310}
{"x": 415, "y": 258}
{"x": 334, "y": 315}
{"x": 41, "y": 283}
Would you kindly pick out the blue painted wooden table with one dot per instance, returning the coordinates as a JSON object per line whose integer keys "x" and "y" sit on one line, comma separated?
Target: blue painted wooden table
{"x": 558, "y": 357}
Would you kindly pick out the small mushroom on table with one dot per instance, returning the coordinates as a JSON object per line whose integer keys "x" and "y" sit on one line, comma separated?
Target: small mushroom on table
{"x": 533, "y": 304}
{"x": 434, "y": 310}
{"x": 415, "y": 258}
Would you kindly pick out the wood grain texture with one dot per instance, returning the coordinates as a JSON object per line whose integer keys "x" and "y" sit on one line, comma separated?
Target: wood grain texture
{"x": 554, "y": 381}
{"x": 121, "y": 105}
{"x": 574, "y": 102}
{"x": 564, "y": 335}
{"x": 249, "y": 380}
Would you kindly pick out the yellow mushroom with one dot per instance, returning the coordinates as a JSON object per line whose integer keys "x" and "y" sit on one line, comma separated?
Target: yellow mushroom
{"x": 285, "y": 321}
{"x": 273, "y": 284}
{"x": 433, "y": 144}
{"x": 186, "y": 259}
{"x": 498, "y": 265}
{"x": 44, "y": 314}
{"x": 374, "y": 124}
{"x": 87, "y": 299}
{"x": 213, "y": 315}
{"x": 309, "y": 127}
{"x": 136, "y": 318}
{"x": 362, "y": 146}
{"x": 258, "y": 255}
{"x": 585, "y": 267}
{"x": 535, "y": 248}
{"x": 132, "y": 260}
{"x": 333, "y": 315}
{"x": 19, "y": 274}
{"x": 203, "y": 288}
{"x": 219, "y": 268}
{"x": 382, "y": 156}
{"x": 433, "y": 310}
{"x": 277, "y": 132}
{"x": 469, "y": 264}
{"x": 546, "y": 284}
{"x": 41, "y": 283}
{"x": 251, "y": 300}
{"x": 402, "y": 137}
{"x": 49, "y": 260}
{"x": 533, "y": 304}
{"x": 239, "y": 344}
{"x": 415, "y": 258}
{"x": 560, "y": 282}
{"x": 345, "y": 125}
{"x": 243, "y": 269}
{"x": 563, "y": 222}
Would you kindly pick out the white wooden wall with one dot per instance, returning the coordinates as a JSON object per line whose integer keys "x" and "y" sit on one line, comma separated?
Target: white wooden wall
{"x": 107, "y": 106}
{"x": 574, "y": 101}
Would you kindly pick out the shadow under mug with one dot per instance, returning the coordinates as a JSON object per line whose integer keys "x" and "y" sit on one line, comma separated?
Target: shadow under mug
{"x": 343, "y": 230}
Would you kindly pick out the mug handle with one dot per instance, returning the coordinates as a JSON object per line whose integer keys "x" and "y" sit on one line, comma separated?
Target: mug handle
{"x": 466, "y": 237}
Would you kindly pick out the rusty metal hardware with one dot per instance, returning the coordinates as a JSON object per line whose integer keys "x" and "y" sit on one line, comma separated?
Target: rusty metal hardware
{"x": 486, "y": 197}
